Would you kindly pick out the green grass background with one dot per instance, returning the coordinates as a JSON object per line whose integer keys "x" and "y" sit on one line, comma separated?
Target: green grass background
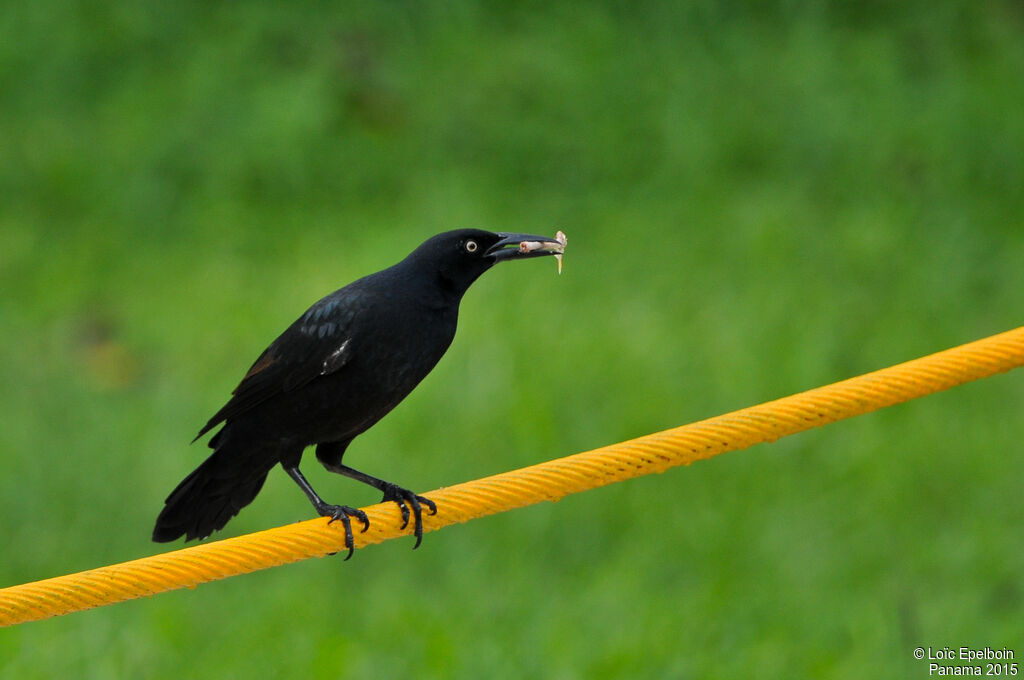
{"x": 760, "y": 197}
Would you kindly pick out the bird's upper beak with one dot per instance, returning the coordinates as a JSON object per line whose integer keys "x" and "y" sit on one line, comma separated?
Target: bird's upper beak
{"x": 520, "y": 246}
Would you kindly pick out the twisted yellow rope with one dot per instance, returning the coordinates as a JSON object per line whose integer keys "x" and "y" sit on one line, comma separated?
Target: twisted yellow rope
{"x": 543, "y": 482}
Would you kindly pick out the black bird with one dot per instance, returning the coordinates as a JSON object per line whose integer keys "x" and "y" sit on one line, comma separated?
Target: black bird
{"x": 341, "y": 367}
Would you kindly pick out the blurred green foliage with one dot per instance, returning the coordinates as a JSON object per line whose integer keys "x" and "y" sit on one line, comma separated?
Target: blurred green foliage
{"x": 760, "y": 197}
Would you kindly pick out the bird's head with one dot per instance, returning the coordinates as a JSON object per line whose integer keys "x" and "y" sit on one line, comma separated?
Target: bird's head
{"x": 459, "y": 257}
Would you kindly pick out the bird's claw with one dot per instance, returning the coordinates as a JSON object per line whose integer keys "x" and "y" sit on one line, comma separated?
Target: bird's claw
{"x": 405, "y": 498}
{"x": 343, "y": 513}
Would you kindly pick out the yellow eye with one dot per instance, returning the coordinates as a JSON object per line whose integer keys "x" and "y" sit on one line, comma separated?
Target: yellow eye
{"x": 471, "y": 246}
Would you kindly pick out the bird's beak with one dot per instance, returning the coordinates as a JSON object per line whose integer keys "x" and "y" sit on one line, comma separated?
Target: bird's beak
{"x": 521, "y": 246}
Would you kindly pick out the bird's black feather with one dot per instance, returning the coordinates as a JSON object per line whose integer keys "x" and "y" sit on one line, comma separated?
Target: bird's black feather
{"x": 317, "y": 343}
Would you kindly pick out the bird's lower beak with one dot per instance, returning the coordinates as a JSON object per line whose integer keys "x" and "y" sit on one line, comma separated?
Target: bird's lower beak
{"x": 520, "y": 246}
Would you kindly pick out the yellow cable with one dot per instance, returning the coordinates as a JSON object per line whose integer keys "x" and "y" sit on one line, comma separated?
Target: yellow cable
{"x": 548, "y": 481}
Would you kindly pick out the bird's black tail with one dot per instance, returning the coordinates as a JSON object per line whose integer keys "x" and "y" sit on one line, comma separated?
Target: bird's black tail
{"x": 213, "y": 493}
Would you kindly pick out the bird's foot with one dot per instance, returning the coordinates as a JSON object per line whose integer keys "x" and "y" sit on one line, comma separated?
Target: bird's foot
{"x": 342, "y": 513}
{"x": 405, "y": 498}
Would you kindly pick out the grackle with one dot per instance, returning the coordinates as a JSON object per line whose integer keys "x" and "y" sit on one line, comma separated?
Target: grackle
{"x": 341, "y": 367}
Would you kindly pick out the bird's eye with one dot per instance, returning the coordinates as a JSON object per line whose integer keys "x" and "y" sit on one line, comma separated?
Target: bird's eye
{"x": 471, "y": 246}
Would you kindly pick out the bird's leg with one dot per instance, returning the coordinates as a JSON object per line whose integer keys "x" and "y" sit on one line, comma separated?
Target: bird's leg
{"x": 392, "y": 492}
{"x": 335, "y": 512}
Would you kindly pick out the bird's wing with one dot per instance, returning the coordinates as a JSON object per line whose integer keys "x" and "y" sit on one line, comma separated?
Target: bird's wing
{"x": 318, "y": 343}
